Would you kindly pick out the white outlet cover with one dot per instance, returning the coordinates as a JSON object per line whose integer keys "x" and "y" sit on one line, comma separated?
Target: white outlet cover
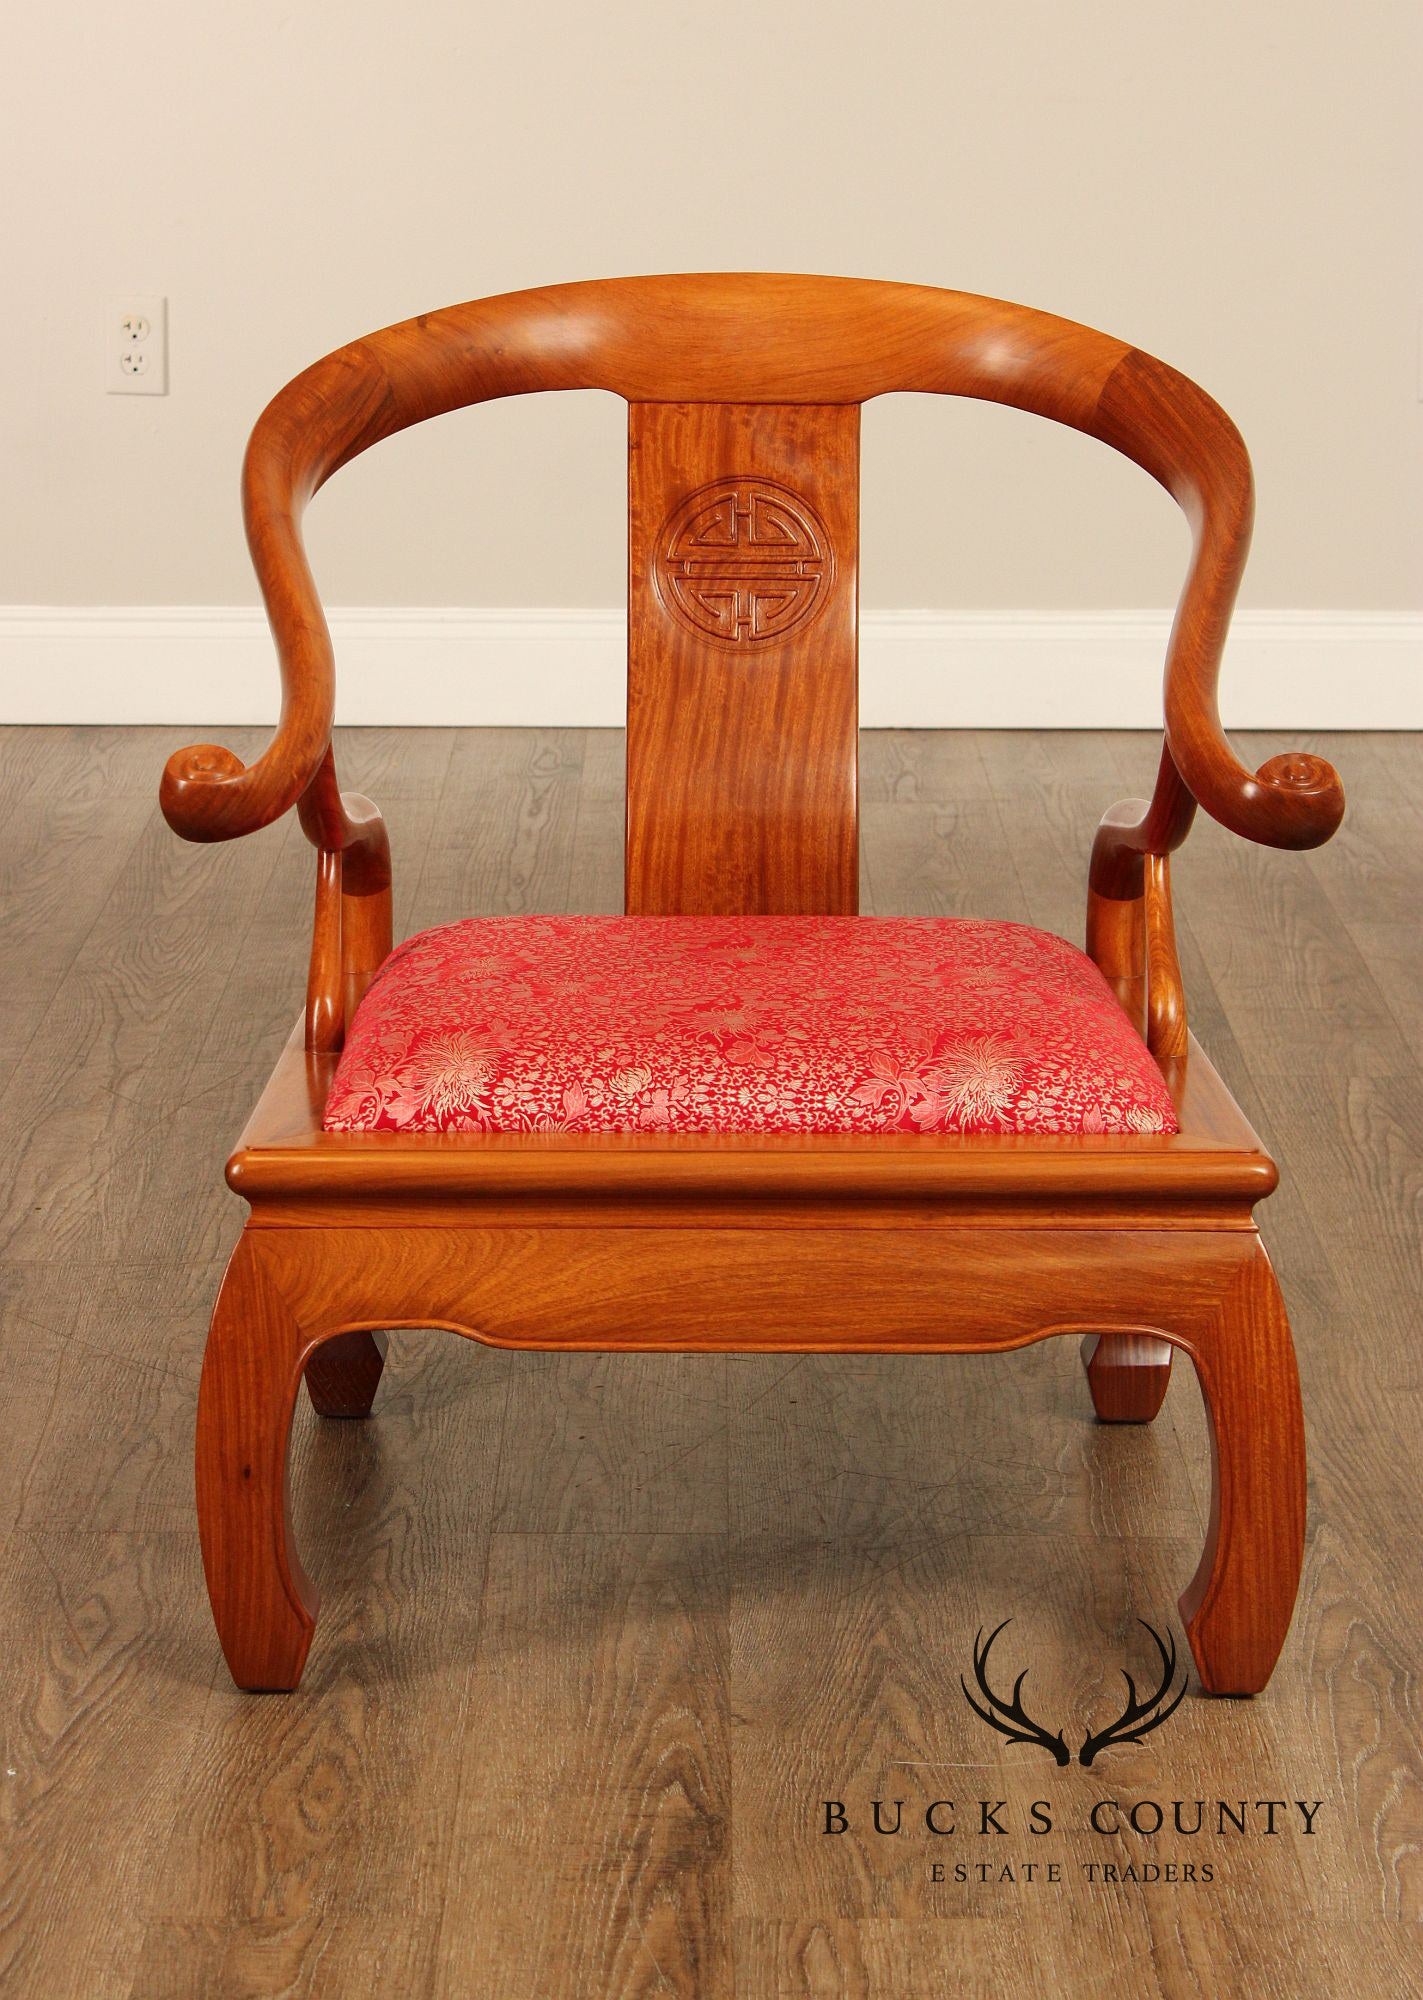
{"x": 136, "y": 346}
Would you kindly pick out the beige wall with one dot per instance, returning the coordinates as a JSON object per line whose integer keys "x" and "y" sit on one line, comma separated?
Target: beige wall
{"x": 1231, "y": 183}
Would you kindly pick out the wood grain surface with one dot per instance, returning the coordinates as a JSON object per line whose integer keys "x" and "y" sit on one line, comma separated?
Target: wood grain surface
{"x": 743, "y": 659}
{"x": 600, "y": 1632}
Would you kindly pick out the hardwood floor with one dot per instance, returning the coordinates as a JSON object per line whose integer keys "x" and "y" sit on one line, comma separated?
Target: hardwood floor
{"x": 601, "y": 1634}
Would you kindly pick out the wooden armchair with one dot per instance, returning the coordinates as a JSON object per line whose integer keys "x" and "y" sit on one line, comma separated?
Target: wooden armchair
{"x": 945, "y": 1213}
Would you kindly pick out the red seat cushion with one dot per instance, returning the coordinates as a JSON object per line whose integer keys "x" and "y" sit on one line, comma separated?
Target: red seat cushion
{"x": 742, "y": 1024}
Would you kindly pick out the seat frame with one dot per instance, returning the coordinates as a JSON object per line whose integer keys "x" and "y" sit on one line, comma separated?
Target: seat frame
{"x": 741, "y": 799}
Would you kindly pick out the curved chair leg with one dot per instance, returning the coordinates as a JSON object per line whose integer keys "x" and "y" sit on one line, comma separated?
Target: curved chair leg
{"x": 342, "y": 1374}
{"x": 1237, "y": 1607}
{"x": 1128, "y": 1374}
{"x": 262, "y": 1601}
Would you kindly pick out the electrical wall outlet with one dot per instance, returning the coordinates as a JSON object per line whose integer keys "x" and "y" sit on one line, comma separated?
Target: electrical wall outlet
{"x": 136, "y": 347}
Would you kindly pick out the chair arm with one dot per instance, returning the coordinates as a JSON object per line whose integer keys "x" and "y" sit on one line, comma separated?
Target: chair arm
{"x": 1185, "y": 440}
{"x": 320, "y": 420}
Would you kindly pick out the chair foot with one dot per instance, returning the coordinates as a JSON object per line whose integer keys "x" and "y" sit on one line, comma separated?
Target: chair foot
{"x": 1128, "y": 1374}
{"x": 262, "y": 1601}
{"x": 1238, "y": 1606}
{"x": 343, "y": 1373}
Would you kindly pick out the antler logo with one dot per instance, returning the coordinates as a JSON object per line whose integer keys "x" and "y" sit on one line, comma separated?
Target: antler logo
{"x": 1009, "y": 1718}
{"x": 1136, "y": 1720}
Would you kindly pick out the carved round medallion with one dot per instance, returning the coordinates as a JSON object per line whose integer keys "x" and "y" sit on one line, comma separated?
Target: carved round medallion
{"x": 744, "y": 562}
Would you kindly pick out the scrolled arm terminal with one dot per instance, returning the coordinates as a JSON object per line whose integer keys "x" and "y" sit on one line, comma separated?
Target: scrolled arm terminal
{"x": 1160, "y": 418}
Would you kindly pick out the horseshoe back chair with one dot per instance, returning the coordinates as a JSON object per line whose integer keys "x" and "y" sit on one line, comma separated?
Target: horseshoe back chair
{"x": 785, "y": 1126}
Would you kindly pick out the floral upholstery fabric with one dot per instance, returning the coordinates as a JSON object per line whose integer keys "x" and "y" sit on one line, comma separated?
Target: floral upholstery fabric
{"x": 742, "y": 1024}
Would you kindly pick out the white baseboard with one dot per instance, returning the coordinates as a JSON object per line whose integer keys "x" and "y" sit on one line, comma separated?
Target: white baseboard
{"x": 211, "y": 665}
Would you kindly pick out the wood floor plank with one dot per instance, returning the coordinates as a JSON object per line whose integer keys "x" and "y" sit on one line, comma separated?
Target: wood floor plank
{"x": 868, "y": 1451}
{"x": 596, "y": 882}
{"x": 87, "y": 763}
{"x": 1049, "y": 792}
{"x": 99, "y": 1174}
{"x": 874, "y": 1959}
{"x": 922, "y": 767}
{"x": 1349, "y": 1711}
{"x": 936, "y": 861}
{"x": 152, "y": 966}
{"x": 1187, "y": 1954}
{"x": 388, "y": 764}
{"x": 929, "y": 828}
{"x": 1391, "y": 953}
{"x": 368, "y": 1952}
{"x": 98, "y": 1382}
{"x": 1290, "y": 978}
{"x": 59, "y": 862}
{"x": 502, "y": 844}
{"x": 842, "y": 1666}
{"x": 1359, "y": 1174}
{"x": 99, "y": 1712}
{"x": 592, "y": 1842}
{"x": 1031, "y": 1453}
{"x": 607, "y": 1444}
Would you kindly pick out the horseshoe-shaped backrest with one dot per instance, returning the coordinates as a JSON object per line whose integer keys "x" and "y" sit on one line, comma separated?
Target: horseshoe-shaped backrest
{"x": 744, "y": 394}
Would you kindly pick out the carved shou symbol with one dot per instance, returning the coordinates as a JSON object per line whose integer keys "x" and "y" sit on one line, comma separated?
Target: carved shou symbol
{"x": 744, "y": 561}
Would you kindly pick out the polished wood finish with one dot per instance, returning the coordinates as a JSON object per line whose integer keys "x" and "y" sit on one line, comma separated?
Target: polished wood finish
{"x": 1166, "y": 1032}
{"x": 1238, "y": 1605}
{"x": 743, "y": 697}
{"x": 1128, "y": 1375}
{"x": 263, "y": 1602}
{"x": 643, "y": 1286}
{"x": 351, "y": 931}
{"x": 343, "y": 1374}
{"x": 599, "y": 1630}
{"x": 742, "y": 796}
